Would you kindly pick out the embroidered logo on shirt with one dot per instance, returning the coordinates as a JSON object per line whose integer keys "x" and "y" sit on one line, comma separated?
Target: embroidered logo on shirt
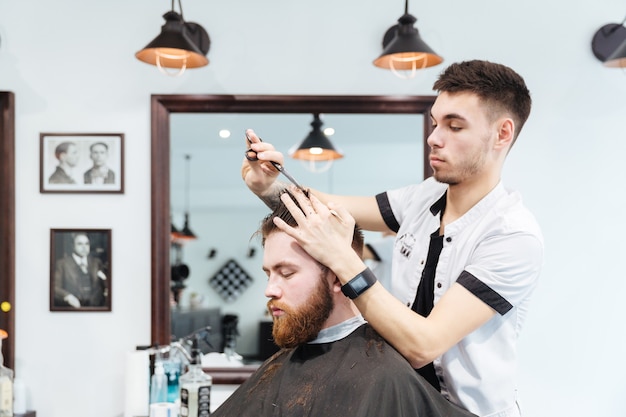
{"x": 406, "y": 243}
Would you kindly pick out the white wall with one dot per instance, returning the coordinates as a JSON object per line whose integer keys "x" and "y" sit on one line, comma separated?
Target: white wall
{"x": 71, "y": 66}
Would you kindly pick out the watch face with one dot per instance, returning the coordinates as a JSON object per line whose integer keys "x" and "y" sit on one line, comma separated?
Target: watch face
{"x": 359, "y": 284}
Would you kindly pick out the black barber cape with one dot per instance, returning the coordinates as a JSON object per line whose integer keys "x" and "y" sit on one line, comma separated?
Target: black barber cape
{"x": 358, "y": 376}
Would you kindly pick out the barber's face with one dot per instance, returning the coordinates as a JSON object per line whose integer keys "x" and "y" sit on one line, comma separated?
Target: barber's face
{"x": 299, "y": 291}
{"x": 81, "y": 245}
{"x": 463, "y": 137}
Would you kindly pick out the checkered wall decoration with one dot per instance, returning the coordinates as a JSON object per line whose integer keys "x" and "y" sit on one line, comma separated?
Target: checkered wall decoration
{"x": 230, "y": 281}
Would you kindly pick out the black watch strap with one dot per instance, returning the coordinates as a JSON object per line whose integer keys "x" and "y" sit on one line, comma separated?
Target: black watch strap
{"x": 359, "y": 284}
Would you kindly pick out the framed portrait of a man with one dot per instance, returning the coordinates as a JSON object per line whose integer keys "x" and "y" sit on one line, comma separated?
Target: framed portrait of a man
{"x": 81, "y": 163}
{"x": 80, "y": 270}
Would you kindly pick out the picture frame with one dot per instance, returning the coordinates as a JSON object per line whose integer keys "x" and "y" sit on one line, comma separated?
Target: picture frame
{"x": 80, "y": 270}
{"x": 81, "y": 163}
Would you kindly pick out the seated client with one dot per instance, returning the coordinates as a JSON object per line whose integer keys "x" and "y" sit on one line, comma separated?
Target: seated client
{"x": 331, "y": 362}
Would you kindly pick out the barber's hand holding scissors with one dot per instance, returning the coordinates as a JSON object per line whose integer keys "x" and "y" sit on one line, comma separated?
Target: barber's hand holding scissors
{"x": 260, "y": 174}
{"x": 325, "y": 232}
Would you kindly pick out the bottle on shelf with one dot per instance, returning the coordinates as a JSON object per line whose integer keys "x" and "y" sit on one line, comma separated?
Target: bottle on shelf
{"x": 195, "y": 387}
{"x": 158, "y": 384}
{"x": 6, "y": 383}
{"x": 172, "y": 366}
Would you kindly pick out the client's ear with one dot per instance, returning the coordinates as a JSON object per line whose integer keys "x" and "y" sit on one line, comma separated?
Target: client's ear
{"x": 336, "y": 284}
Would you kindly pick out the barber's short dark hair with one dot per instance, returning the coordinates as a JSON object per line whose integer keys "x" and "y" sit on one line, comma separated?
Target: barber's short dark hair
{"x": 497, "y": 85}
{"x": 268, "y": 227}
{"x": 62, "y": 148}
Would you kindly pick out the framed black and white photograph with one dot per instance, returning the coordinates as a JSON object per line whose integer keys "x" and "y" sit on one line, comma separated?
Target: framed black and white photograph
{"x": 81, "y": 162}
{"x": 80, "y": 270}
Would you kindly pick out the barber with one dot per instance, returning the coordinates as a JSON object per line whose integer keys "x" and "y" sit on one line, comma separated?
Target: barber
{"x": 467, "y": 255}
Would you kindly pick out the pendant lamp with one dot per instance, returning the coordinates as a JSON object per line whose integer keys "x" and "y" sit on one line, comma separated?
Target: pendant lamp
{"x": 618, "y": 58}
{"x": 174, "y": 232}
{"x": 404, "y": 49}
{"x": 316, "y": 147}
{"x": 185, "y": 233}
{"x": 180, "y": 45}
{"x": 609, "y": 44}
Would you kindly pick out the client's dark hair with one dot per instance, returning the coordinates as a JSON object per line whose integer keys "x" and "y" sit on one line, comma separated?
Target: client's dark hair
{"x": 268, "y": 227}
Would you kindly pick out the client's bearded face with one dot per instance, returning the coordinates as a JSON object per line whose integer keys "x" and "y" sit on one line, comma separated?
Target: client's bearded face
{"x": 301, "y": 324}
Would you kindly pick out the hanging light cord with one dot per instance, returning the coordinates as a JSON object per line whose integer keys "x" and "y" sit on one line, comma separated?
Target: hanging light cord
{"x": 187, "y": 157}
{"x": 180, "y": 6}
{"x": 160, "y": 55}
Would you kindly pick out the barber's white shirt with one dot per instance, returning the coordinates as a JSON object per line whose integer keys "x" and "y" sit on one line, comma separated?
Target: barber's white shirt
{"x": 496, "y": 251}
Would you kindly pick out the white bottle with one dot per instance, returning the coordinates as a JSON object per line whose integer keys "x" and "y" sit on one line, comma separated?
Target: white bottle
{"x": 6, "y": 384}
{"x": 195, "y": 388}
{"x": 158, "y": 384}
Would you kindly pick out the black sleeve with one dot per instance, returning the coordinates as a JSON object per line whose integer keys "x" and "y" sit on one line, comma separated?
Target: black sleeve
{"x": 386, "y": 212}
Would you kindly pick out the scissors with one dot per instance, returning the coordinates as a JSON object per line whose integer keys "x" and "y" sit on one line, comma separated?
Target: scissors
{"x": 251, "y": 156}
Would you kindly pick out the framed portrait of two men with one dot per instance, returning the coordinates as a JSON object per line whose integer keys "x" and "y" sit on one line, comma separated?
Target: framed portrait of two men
{"x": 81, "y": 163}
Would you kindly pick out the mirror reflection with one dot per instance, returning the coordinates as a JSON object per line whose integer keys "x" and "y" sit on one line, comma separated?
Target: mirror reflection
{"x": 223, "y": 264}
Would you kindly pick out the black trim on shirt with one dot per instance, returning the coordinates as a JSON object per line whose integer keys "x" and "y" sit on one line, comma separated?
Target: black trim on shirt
{"x": 440, "y": 205}
{"x": 424, "y": 299}
{"x": 385, "y": 210}
{"x": 484, "y": 292}
{"x": 375, "y": 254}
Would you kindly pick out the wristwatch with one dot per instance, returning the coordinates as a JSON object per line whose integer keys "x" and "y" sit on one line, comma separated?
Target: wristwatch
{"x": 359, "y": 284}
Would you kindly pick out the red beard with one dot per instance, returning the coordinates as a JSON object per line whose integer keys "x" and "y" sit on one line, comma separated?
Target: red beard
{"x": 301, "y": 325}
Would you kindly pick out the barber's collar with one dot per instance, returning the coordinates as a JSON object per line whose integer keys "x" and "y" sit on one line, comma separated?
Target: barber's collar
{"x": 440, "y": 205}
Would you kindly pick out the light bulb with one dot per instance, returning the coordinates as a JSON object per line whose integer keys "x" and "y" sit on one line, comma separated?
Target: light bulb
{"x": 413, "y": 59}
{"x": 160, "y": 53}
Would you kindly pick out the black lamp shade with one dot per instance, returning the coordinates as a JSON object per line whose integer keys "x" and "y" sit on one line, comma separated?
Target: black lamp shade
{"x": 174, "y": 232}
{"x": 618, "y": 58}
{"x": 316, "y": 146}
{"x": 404, "y": 49}
{"x": 180, "y": 44}
{"x": 186, "y": 233}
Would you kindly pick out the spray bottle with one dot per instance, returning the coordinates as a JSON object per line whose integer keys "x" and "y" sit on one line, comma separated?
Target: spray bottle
{"x": 195, "y": 387}
{"x": 158, "y": 384}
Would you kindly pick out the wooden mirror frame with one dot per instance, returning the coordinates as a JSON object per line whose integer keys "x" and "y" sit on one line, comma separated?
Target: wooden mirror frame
{"x": 163, "y": 105}
{"x": 7, "y": 223}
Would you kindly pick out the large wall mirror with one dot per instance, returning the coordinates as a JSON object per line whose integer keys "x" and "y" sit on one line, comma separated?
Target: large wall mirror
{"x": 179, "y": 120}
{"x": 7, "y": 224}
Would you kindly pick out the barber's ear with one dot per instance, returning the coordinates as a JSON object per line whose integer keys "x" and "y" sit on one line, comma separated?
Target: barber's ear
{"x": 506, "y": 132}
